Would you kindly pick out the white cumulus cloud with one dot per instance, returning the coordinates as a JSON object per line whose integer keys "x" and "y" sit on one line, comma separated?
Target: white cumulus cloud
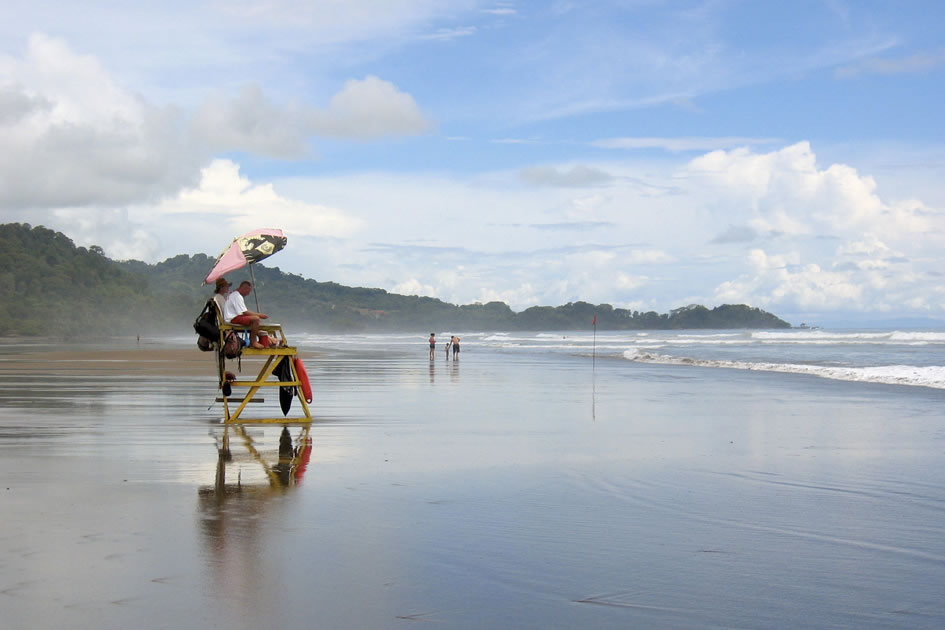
{"x": 243, "y": 206}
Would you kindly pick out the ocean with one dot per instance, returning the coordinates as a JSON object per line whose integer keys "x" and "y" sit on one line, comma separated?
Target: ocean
{"x": 876, "y": 356}
{"x": 683, "y": 479}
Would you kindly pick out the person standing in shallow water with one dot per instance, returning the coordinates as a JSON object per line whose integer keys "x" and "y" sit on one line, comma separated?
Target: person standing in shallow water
{"x": 432, "y": 344}
{"x": 446, "y": 347}
{"x": 455, "y": 343}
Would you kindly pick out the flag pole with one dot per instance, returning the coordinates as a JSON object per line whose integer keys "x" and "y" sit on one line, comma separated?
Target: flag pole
{"x": 594, "y": 375}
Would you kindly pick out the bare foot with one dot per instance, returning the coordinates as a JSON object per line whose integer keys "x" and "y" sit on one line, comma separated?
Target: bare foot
{"x": 257, "y": 345}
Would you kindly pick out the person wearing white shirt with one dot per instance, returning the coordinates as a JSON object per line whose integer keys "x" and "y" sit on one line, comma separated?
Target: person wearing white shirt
{"x": 235, "y": 312}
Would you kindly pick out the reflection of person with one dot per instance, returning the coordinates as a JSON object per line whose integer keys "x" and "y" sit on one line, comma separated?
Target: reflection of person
{"x": 219, "y": 294}
{"x": 283, "y": 469}
{"x": 455, "y": 341}
{"x": 235, "y": 312}
{"x": 432, "y": 345}
{"x": 446, "y": 347}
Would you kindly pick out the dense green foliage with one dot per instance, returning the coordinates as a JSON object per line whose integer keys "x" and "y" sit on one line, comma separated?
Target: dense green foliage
{"x": 50, "y": 286}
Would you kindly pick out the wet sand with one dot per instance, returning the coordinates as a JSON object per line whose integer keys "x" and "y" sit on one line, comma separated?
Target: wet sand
{"x": 496, "y": 491}
{"x": 140, "y": 362}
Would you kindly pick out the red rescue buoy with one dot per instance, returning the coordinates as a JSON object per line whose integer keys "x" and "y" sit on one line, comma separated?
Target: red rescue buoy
{"x": 303, "y": 380}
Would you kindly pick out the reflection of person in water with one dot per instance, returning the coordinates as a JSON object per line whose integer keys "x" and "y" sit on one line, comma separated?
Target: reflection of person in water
{"x": 286, "y": 453}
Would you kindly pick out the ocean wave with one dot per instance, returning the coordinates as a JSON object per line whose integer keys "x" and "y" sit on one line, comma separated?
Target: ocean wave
{"x": 703, "y": 341}
{"x": 927, "y": 376}
{"x": 831, "y": 337}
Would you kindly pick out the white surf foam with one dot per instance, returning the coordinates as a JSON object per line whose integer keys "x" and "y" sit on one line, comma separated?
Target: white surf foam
{"x": 832, "y": 337}
{"x": 928, "y": 376}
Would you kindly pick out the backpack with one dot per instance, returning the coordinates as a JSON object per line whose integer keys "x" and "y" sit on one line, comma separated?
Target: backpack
{"x": 204, "y": 344}
{"x": 232, "y": 345}
{"x": 206, "y": 323}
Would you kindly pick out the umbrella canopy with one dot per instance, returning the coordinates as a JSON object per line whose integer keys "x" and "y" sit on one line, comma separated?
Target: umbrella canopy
{"x": 245, "y": 250}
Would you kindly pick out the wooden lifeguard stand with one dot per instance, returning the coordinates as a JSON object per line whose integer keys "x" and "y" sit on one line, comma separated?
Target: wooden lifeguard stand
{"x": 275, "y": 356}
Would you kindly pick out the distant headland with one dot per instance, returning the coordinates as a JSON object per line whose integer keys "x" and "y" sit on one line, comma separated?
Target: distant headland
{"x": 63, "y": 290}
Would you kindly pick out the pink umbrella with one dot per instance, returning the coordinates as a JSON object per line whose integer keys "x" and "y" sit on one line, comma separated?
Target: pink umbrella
{"x": 245, "y": 250}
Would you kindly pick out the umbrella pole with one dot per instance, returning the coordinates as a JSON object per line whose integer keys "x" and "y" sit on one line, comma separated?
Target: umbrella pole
{"x": 253, "y": 276}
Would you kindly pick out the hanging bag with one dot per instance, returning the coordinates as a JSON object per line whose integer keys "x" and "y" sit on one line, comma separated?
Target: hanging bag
{"x": 206, "y": 323}
{"x": 232, "y": 345}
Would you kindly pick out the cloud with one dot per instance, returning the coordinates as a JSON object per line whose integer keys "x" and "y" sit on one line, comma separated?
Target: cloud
{"x": 628, "y": 282}
{"x": 363, "y": 109}
{"x": 779, "y": 279}
{"x": 584, "y": 208}
{"x": 736, "y": 234}
{"x": 115, "y": 230}
{"x": 446, "y": 34}
{"x": 785, "y": 192}
{"x": 413, "y": 287}
{"x": 501, "y": 11}
{"x": 523, "y": 294}
{"x": 369, "y": 108}
{"x": 17, "y": 105}
{"x": 919, "y": 62}
{"x": 241, "y": 206}
{"x": 576, "y": 177}
{"x": 251, "y": 122}
{"x": 72, "y": 137}
{"x": 829, "y": 255}
{"x": 572, "y": 226}
{"x": 649, "y": 256}
{"x": 681, "y": 143}
{"x": 514, "y": 141}
{"x": 203, "y": 218}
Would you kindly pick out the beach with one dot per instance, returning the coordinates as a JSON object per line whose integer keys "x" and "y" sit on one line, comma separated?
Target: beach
{"x": 511, "y": 488}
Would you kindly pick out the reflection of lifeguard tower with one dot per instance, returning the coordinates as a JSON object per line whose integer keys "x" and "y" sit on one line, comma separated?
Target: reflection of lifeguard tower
{"x": 256, "y": 469}
{"x": 253, "y": 456}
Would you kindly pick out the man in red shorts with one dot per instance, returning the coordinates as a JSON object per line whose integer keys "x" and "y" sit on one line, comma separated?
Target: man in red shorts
{"x": 235, "y": 312}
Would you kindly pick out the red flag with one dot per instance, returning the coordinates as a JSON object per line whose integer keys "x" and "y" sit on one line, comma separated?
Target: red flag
{"x": 595, "y": 320}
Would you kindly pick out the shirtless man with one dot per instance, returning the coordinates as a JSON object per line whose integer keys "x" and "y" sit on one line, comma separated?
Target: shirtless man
{"x": 432, "y": 344}
{"x": 235, "y": 312}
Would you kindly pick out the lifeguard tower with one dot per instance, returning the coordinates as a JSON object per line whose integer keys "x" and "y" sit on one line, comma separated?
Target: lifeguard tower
{"x": 282, "y": 368}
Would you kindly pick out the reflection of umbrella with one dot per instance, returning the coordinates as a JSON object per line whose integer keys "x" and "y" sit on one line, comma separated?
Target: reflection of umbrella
{"x": 246, "y": 250}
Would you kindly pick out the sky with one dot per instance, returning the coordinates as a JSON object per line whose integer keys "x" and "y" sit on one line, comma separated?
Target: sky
{"x": 646, "y": 154}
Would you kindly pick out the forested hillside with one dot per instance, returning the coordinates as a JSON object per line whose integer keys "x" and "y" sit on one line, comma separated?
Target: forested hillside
{"x": 52, "y": 287}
